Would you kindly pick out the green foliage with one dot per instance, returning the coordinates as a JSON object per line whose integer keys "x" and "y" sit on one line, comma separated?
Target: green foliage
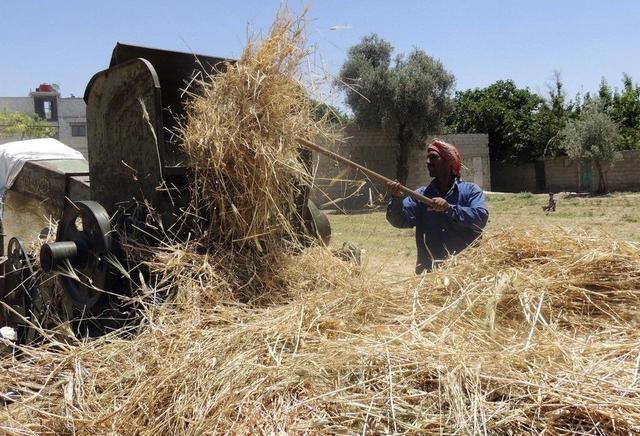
{"x": 420, "y": 88}
{"x": 20, "y": 126}
{"x": 522, "y": 126}
{"x": 593, "y": 137}
{"x": 506, "y": 113}
{"x": 408, "y": 97}
{"x": 365, "y": 77}
{"x": 624, "y": 108}
{"x": 550, "y": 119}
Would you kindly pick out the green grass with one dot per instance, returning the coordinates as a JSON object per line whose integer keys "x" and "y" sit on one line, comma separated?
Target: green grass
{"x": 391, "y": 252}
{"x": 522, "y": 195}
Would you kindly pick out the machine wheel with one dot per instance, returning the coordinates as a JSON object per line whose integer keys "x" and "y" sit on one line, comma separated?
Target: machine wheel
{"x": 81, "y": 257}
{"x": 20, "y": 290}
{"x": 79, "y": 253}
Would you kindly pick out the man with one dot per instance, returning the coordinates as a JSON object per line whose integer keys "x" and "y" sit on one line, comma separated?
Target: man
{"x": 456, "y": 217}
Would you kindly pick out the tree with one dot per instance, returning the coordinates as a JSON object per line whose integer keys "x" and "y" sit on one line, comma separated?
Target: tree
{"x": 593, "y": 137}
{"x": 506, "y": 113}
{"x": 624, "y": 108}
{"x": 626, "y": 111}
{"x": 21, "y": 126}
{"x": 408, "y": 98}
{"x": 550, "y": 119}
{"x": 605, "y": 96}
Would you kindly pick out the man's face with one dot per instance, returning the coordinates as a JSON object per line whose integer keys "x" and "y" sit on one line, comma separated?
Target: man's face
{"x": 437, "y": 166}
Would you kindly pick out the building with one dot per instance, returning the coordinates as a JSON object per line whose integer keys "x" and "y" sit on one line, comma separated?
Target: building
{"x": 67, "y": 114}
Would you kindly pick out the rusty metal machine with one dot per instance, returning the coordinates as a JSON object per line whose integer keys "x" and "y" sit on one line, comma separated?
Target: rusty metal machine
{"x": 135, "y": 166}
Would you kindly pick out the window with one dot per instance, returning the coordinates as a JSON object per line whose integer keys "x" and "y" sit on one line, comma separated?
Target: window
{"x": 45, "y": 108}
{"x": 78, "y": 130}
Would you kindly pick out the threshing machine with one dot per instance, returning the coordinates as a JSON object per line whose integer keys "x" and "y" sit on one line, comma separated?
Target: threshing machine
{"x": 135, "y": 164}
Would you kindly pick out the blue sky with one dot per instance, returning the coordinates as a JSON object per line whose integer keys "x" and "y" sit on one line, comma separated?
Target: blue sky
{"x": 480, "y": 41}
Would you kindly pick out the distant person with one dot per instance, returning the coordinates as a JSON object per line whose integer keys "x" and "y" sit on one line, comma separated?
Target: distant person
{"x": 551, "y": 207}
{"x": 456, "y": 218}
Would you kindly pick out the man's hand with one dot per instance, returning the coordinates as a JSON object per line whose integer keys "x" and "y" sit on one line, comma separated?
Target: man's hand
{"x": 438, "y": 205}
{"x": 394, "y": 189}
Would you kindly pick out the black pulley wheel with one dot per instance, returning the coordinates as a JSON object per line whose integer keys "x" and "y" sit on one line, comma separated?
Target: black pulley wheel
{"x": 79, "y": 253}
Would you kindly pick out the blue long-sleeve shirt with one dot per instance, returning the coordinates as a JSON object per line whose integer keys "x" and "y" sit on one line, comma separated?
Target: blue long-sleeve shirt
{"x": 441, "y": 234}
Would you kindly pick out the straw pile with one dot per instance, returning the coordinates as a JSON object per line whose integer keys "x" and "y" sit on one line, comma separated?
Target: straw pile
{"x": 249, "y": 175}
{"x": 240, "y": 137}
{"x": 526, "y": 332}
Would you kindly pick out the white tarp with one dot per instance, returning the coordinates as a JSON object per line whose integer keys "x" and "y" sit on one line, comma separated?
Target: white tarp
{"x": 13, "y": 156}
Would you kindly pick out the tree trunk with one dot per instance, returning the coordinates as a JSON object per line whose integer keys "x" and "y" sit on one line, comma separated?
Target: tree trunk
{"x": 602, "y": 182}
{"x": 402, "y": 156}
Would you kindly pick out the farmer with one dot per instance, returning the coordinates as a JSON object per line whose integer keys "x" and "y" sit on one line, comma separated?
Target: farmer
{"x": 456, "y": 217}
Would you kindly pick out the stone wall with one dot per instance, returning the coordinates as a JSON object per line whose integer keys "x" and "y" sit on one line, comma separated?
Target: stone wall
{"x": 338, "y": 186}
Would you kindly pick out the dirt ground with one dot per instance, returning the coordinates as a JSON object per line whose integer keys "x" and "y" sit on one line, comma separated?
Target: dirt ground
{"x": 390, "y": 252}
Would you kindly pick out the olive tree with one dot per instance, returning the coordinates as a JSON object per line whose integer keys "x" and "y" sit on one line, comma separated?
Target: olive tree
{"x": 593, "y": 137}
{"x": 408, "y": 97}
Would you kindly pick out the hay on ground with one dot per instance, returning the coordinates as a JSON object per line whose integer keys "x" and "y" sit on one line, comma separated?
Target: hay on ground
{"x": 524, "y": 333}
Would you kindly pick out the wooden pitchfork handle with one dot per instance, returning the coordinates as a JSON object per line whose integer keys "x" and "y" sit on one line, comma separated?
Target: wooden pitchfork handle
{"x": 379, "y": 177}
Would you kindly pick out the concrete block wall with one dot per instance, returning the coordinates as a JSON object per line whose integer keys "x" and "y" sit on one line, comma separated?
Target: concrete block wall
{"x": 624, "y": 175}
{"x": 562, "y": 174}
{"x": 17, "y": 104}
{"x": 474, "y": 149}
{"x": 513, "y": 178}
{"x": 349, "y": 188}
{"x": 374, "y": 149}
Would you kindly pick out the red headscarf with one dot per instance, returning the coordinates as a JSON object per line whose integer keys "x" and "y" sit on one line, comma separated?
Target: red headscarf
{"x": 449, "y": 153}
